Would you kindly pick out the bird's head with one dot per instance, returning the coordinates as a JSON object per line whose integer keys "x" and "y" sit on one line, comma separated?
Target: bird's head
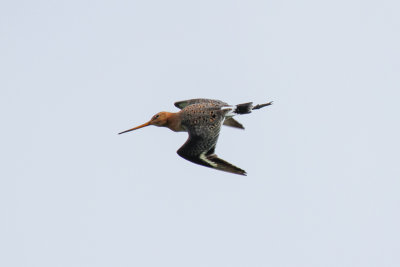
{"x": 160, "y": 119}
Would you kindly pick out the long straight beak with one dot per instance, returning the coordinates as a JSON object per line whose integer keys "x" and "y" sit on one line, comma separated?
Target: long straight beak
{"x": 138, "y": 127}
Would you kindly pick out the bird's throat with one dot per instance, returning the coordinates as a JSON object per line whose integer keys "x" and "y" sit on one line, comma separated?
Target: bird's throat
{"x": 174, "y": 122}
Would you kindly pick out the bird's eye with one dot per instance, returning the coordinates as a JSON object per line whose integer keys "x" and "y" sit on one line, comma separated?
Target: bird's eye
{"x": 156, "y": 116}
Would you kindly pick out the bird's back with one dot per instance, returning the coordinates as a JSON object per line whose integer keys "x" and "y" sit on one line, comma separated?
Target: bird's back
{"x": 203, "y": 118}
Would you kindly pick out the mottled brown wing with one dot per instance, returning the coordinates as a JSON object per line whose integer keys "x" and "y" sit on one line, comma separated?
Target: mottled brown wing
{"x": 184, "y": 103}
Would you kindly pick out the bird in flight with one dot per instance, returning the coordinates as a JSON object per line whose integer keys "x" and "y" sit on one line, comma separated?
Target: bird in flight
{"x": 202, "y": 119}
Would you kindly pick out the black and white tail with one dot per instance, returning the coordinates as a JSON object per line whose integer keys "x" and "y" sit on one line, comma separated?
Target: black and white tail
{"x": 248, "y": 107}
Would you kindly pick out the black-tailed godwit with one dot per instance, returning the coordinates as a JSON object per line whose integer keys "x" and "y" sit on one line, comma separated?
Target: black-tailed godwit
{"x": 202, "y": 119}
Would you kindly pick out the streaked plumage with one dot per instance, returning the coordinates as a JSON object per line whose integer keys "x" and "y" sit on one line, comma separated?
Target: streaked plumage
{"x": 202, "y": 119}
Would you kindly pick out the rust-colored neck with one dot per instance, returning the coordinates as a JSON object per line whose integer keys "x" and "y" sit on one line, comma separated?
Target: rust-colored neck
{"x": 174, "y": 122}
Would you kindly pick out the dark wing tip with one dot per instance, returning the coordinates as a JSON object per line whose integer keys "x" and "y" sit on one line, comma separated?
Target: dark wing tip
{"x": 212, "y": 161}
{"x": 178, "y": 104}
{"x": 223, "y": 165}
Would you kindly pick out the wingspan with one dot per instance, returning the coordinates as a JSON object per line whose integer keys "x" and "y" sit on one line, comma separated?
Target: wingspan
{"x": 203, "y": 122}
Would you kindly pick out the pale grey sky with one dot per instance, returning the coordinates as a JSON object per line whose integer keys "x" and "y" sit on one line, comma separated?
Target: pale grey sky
{"x": 323, "y": 162}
